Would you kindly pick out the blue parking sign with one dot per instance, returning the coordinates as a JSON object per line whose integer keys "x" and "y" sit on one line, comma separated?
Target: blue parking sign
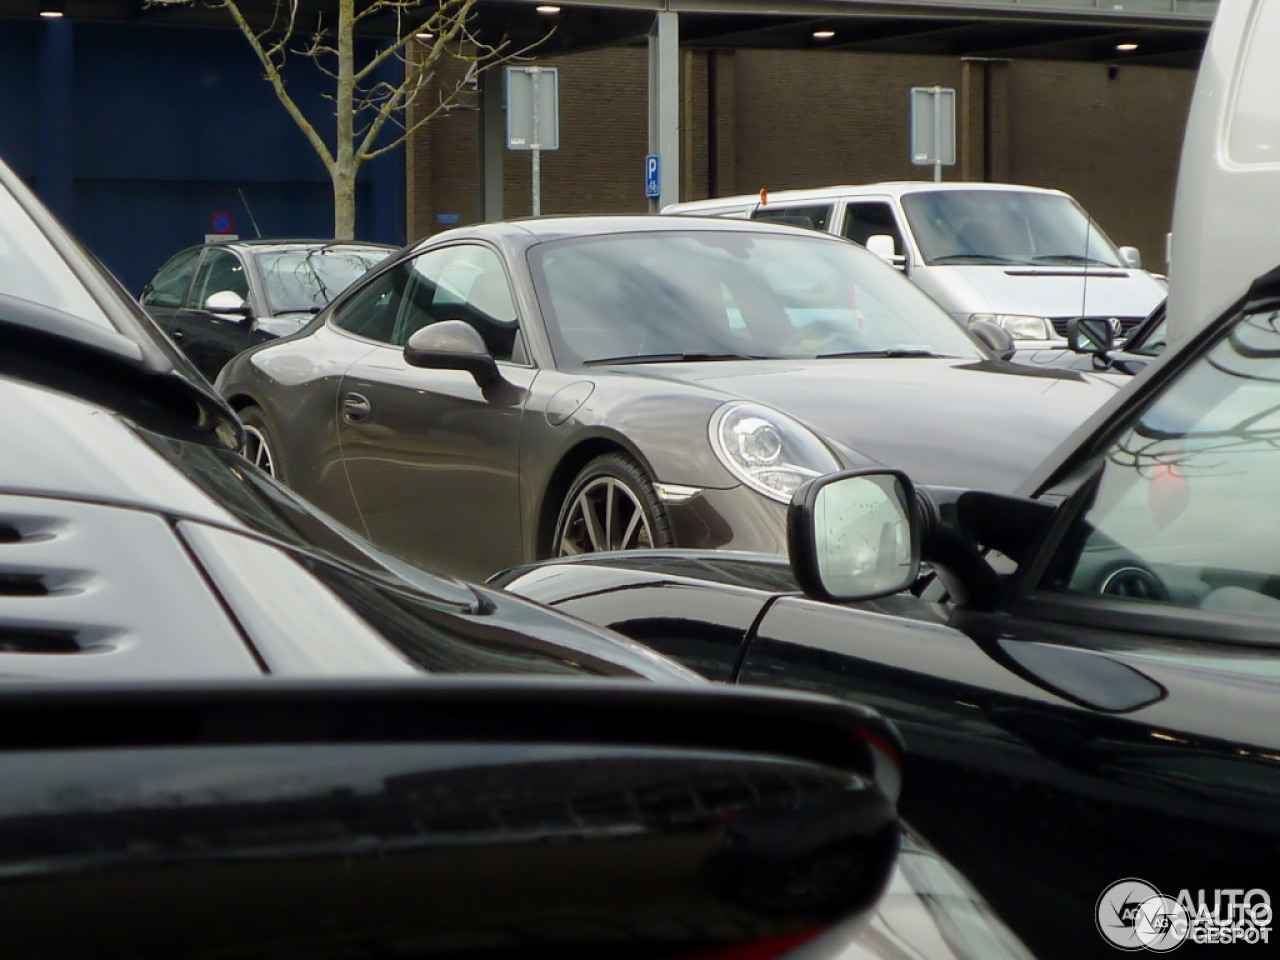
{"x": 652, "y": 175}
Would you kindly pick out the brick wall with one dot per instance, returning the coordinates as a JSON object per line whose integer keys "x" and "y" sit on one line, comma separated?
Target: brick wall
{"x": 1111, "y": 137}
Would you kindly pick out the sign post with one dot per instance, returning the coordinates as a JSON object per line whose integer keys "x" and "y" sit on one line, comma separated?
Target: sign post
{"x": 933, "y": 128}
{"x": 533, "y": 117}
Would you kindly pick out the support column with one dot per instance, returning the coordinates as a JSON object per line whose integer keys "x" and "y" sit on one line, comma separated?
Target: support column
{"x": 664, "y": 105}
{"x": 55, "y": 167}
{"x": 493, "y": 143}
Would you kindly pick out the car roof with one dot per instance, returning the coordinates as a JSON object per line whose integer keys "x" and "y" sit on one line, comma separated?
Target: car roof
{"x": 267, "y": 243}
{"x": 893, "y": 188}
{"x": 541, "y": 229}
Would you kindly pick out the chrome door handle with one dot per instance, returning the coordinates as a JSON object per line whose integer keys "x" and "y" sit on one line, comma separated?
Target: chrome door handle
{"x": 355, "y": 408}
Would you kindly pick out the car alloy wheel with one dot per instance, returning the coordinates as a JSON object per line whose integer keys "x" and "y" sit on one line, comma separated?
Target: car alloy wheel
{"x": 257, "y": 448}
{"x": 611, "y": 506}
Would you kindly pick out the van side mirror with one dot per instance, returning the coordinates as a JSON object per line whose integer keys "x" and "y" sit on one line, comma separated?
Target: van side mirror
{"x": 452, "y": 345}
{"x": 854, "y": 536}
{"x": 1093, "y": 335}
{"x": 1131, "y": 257}
{"x": 996, "y": 338}
{"x": 884, "y": 247}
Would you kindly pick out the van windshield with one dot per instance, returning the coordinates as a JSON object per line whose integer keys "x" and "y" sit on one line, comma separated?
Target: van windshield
{"x": 1005, "y": 227}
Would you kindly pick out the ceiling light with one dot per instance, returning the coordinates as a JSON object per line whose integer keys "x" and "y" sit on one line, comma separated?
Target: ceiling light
{"x": 51, "y": 9}
{"x": 823, "y": 34}
{"x": 1126, "y": 47}
{"x": 547, "y": 9}
{"x": 425, "y": 36}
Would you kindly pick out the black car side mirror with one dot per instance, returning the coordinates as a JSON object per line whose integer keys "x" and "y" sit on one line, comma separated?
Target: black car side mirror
{"x": 452, "y": 345}
{"x": 854, "y": 536}
{"x": 228, "y": 303}
{"x": 1091, "y": 335}
{"x": 863, "y": 534}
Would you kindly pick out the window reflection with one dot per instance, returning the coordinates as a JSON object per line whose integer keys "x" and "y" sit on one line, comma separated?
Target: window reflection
{"x": 1185, "y": 507}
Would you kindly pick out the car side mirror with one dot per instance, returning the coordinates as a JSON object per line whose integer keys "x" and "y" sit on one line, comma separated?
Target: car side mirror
{"x": 1131, "y": 257}
{"x": 854, "y": 536}
{"x": 884, "y": 247}
{"x": 452, "y": 345}
{"x": 1091, "y": 335}
{"x": 996, "y": 338}
{"x": 228, "y": 303}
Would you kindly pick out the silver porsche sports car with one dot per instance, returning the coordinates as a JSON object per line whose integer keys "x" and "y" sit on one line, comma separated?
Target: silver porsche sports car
{"x": 509, "y": 391}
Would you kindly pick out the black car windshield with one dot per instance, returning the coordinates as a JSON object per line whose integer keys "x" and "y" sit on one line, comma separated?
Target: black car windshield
{"x": 301, "y": 280}
{"x": 724, "y": 294}
{"x": 1005, "y": 227}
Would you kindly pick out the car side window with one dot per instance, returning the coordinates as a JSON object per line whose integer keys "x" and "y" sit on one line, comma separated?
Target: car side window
{"x": 169, "y": 285}
{"x": 862, "y": 221}
{"x": 1183, "y": 512}
{"x": 814, "y": 216}
{"x": 465, "y": 282}
{"x": 221, "y": 270}
{"x": 371, "y": 311}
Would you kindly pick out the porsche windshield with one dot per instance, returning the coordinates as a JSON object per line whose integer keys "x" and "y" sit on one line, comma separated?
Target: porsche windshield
{"x": 1005, "y": 227}
{"x": 729, "y": 294}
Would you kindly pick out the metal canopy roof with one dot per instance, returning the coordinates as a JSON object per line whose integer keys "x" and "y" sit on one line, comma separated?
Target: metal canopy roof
{"x": 1167, "y": 32}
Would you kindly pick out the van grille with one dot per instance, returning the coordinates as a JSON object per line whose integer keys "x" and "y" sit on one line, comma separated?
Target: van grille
{"x": 1126, "y": 324}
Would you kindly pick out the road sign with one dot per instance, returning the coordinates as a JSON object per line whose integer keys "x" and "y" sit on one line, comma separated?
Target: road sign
{"x": 933, "y": 127}
{"x": 533, "y": 108}
{"x": 221, "y": 222}
{"x": 653, "y": 175}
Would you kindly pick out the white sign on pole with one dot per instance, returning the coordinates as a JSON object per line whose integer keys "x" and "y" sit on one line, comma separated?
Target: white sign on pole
{"x": 933, "y": 127}
{"x": 533, "y": 117}
{"x": 533, "y": 108}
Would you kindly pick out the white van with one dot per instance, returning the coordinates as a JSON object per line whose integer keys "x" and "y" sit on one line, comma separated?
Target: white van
{"x": 1025, "y": 258}
{"x": 1225, "y": 230}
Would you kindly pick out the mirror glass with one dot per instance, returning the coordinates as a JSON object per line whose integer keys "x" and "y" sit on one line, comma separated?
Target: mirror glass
{"x": 863, "y": 537}
{"x": 1090, "y": 335}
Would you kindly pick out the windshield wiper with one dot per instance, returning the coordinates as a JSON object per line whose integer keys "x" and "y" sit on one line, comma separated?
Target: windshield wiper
{"x": 1072, "y": 258}
{"x": 977, "y": 258}
{"x": 892, "y": 353}
{"x": 667, "y": 358}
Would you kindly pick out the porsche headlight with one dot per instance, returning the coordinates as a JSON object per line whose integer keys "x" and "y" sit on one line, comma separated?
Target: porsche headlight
{"x": 768, "y": 451}
{"x": 1018, "y": 326}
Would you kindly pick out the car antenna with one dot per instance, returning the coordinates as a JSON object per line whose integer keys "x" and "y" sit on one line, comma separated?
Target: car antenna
{"x": 249, "y": 211}
{"x": 762, "y": 202}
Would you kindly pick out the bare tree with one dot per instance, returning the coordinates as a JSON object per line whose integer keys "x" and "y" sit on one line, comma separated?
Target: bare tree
{"x": 372, "y": 114}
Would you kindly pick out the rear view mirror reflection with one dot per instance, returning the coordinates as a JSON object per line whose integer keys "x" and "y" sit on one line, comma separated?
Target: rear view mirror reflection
{"x": 852, "y": 536}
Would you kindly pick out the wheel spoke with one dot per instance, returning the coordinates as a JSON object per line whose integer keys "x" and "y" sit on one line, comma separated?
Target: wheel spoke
{"x": 610, "y": 515}
{"x": 590, "y": 521}
{"x": 637, "y": 520}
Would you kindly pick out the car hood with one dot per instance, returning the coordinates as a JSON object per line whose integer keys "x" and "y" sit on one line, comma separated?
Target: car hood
{"x": 983, "y": 424}
{"x": 1046, "y": 291}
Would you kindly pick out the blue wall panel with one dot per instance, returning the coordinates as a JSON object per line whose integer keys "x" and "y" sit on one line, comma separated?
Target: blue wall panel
{"x": 138, "y": 134}
{"x": 19, "y": 86}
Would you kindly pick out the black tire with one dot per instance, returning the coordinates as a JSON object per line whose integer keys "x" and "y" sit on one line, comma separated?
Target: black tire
{"x": 633, "y": 494}
{"x": 259, "y": 445}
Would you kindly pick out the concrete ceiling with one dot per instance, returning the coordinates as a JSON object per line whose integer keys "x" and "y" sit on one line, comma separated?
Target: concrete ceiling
{"x": 980, "y": 29}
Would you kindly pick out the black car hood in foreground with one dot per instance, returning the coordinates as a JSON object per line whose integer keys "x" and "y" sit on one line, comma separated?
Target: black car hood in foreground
{"x": 983, "y": 424}
{"x": 447, "y": 819}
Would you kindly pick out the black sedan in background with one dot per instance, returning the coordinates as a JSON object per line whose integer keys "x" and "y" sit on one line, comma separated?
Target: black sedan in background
{"x": 217, "y": 299}
{"x": 510, "y": 391}
{"x": 1087, "y": 679}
